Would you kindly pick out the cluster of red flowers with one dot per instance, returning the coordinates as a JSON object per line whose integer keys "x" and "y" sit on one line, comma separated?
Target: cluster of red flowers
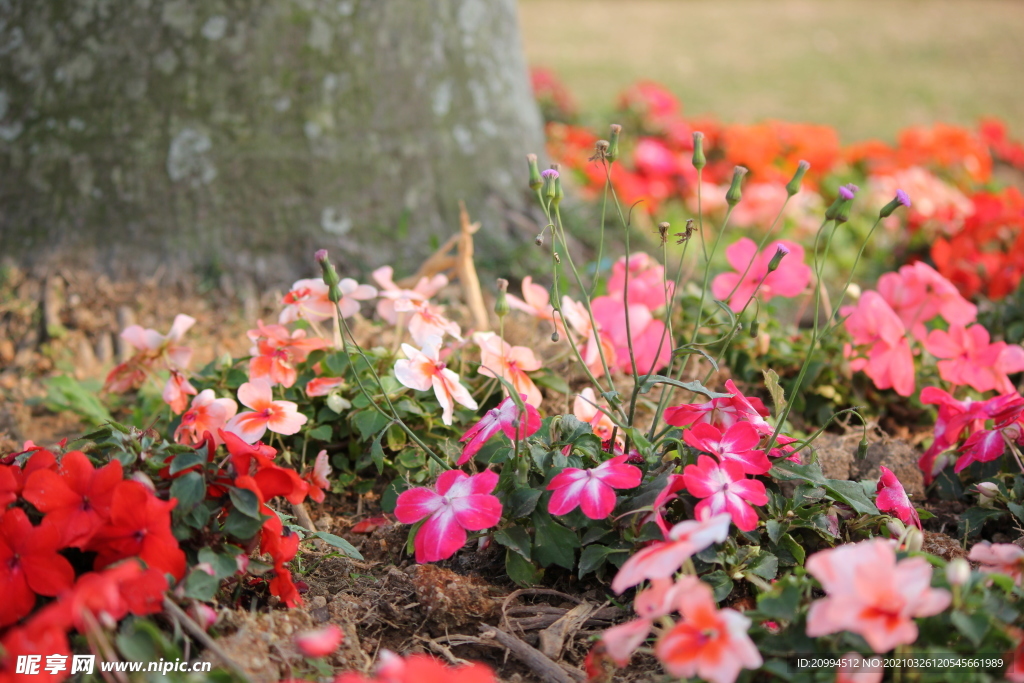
{"x": 49, "y": 505}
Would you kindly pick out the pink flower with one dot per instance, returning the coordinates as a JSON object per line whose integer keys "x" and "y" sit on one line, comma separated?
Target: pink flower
{"x": 351, "y": 294}
{"x": 710, "y": 643}
{"x": 460, "y": 503}
{"x": 722, "y": 413}
{"x": 322, "y": 386}
{"x": 984, "y": 446}
{"x": 427, "y": 320}
{"x": 278, "y": 351}
{"x": 918, "y": 293}
{"x": 307, "y": 300}
{"x": 675, "y": 484}
{"x": 499, "y": 419}
{"x": 724, "y": 489}
{"x": 647, "y": 285}
{"x": 892, "y": 497}
{"x": 592, "y": 490}
{"x": 784, "y": 449}
{"x": 858, "y": 669}
{"x": 591, "y": 341}
{"x": 584, "y": 408}
{"x": 281, "y": 417}
{"x": 954, "y": 416}
{"x": 972, "y": 360}
{"x": 790, "y": 279}
{"x": 870, "y": 594}
{"x": 207, "y": 414}
{"x": 151, "y": 341}
{"x": 662, "y": 559}
{"x": 317, "y": 477}
{"x": 736, "y": 444}
{"x": 761, "y": 204}
{"x": 889, "y": 362}
{"x": 321, "y": 642}
{"x": 390, "y": 292}
{"x": 536, "y": 301}
{"x": 177, "y": 391}
{"x": 1001, "y": 558}
{"x": 650, "y": 346}
{"x": 659, "y": 600}
{"x": 498, "y": 358}
{"x": 421, "y": 370}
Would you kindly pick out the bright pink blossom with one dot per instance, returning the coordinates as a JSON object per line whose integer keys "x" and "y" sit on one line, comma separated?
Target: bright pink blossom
{"x": 984, "y": 446}
{"x": 647, "y": 285}
{"x": 423, "y": 369}
{"x": 724, "y": 488}
{"x": 871, "y": 594}
{"x": 458, "y": 504}
{"x": 592, "y": 490}
{"x": 649, "y": 346}
{"x": 662, "y": 559}
{"x": 670, "y": 492}
{"x": 498, "y": 358}
{"x": 390, "y": 293}
{"x": 281, "y": 417}
{"x": 917, "y": 293}
{"x": 892, "y": 497}
{"x": 307, "y": 300}
{"x": 1001, "y": 558}
{"x": 736, "y": 444}
{"x": 970, "y": 359}
{"x": 722, "y": 413}
{"x": 888, "y": 362}
{"x": 502, "y": 418}
{"x": 790, "y": 279}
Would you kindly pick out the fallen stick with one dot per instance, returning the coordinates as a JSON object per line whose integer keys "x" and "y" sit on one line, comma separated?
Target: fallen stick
{"x": 203, "y": 637}
{"x": 543, "y": 666}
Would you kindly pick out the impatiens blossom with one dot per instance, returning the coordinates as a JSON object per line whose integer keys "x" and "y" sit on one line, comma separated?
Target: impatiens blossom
{"x": 892, "y": 497}
{"x": 722, "y": 413}
{"x": 505, "y": 417}
{"x": 871, "y": 594}
{"x": 888, "y": 360}
{"x": 970, "y": 359}
{"x": 308, "y": 300}
{"x": 791, "y": 277}
{"x": 459, "y": 503}
{"x": 647, "y": 285}
{"x": 659, "y": 600}
{"x": 736, "y": 444}
{"x": 281, "y": 417}
{"x": 390, "y": 293}
{"x": 322, "y": 386}
{"x": 321, "y": 642}
{"x": 351, "y": 293}
{"x": 498, "y": 358}
{"x": 207, "y": 414}
{"x": 585, "y": 409}
{"x": 1002, "y": 558}
{"x": 917, "y": 294}
{"x": 724, "y": 489}
{"x": 707, "y": 642}
{"x": 662, "y": 559}
{"x": 177, "y": 390}
{"x": 426, "y": 320}
{"x": 152, "y": 350}
{"x": 420, "y": 669}
{"x": 592, "y": 490}
{"x": 644, "y": 337}
{"x": 423, "y": 369}
{"x": 317, "y": 477}
{"x": 593, "y": 345}
{"x": 536, "y": 301}
{"x": 29, "y": 564}
{"x": 277, "y": 352}
{"x": 855, "y": 668}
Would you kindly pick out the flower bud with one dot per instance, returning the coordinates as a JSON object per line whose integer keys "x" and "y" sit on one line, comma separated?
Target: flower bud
{"x": 915, "y": 540}
{"x": 501, "y": 307}
{"x": 862, "y": 449}
{"x": 958, "y": 571}
{"x": 735, "y": 193}
{"x": 987, "y": 489}
{"x": 559, "y": 195}
{"x": 755, "y": 327}
{"x": 793, "y": 186}
{"x": 554, "y": 336}
{"x": 539, "y": 240}
{"x": 535, "y": 179}
{"x": 895, "y": 527}
{"x": 329, "y": 274}
{"x": 338, "y": 403}
{"x": 549, "y": 175}
{"x": 901, "y": 199}
{"x": 613, "y": 143}
{"x": 202, "y": 614}
{"x": 699, "y": 160}
{"x": 780, "y": 253}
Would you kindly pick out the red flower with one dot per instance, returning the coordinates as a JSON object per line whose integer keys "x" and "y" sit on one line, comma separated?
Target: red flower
{"x": 76, "y": 498}
{"x": 29, "y": 565}
{"x": 140, "y": 525}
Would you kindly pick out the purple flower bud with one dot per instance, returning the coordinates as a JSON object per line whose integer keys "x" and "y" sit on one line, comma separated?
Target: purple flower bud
{"x": 903, "y": 198}
{"x": 320, "y": 255}
{"x": 848, "y": 191}
{"x": 549, "y": 174}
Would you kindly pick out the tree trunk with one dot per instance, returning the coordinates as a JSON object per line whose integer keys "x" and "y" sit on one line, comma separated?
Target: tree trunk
{"x": 240, "y": 135}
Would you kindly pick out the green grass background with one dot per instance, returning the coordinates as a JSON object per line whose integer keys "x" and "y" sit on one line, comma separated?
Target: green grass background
{"x": 867, "y": 67}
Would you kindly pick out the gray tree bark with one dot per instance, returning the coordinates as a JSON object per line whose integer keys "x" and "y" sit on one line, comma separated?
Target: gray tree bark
{"x": 240, "y": 135}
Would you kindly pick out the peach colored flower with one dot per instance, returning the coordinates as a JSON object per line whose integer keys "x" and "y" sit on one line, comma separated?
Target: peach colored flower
{"x": 511, "y": 363}
{"x": 322, "y": 386}
{"x": 277, "y": 352}
{"x": 591, "y": 342}
{"x": 281, "y": 417}
{"x": 321, "y": 642}
{"x": 888, "y": 362}
{"x": 536, "y": 301}
{"x": 423, "y": 369}
{"x": 1002, "y": 558}
{"x": 177, "y": 391}
{"x": 390, "y": 292}
{"x": 585, "y": 408}
{"x": 351, "y": 294}
{"x": 207, "y": 414}
{"x": 427, "y": 320}
{"x": 662, "y": 559}
{"x": 659, "y": 600}
{"x": 307, "y": 299}
{"x": 858, "y": 669}
{"x": 871, "y": 594}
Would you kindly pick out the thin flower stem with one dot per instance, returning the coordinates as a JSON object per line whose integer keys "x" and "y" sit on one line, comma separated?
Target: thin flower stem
{"x": 760, "y": 246}
{"x": 600, "y": 243}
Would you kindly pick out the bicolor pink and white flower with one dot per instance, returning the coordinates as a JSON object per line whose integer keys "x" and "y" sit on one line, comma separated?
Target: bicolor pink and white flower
{"x": 724, "y": 488}
{"x": 791, "y": 277}
{"x": 504, "y": 417}
{"x": 893, "y": 498}
{"x": 722, "y": 413}
{"x": 1001, "y": 558}
{"x": 592, "y": 490}
{"x": 423, "y": 369}
{"x": 281, "y": 417}
{"x": 871, "y": 594}
{"x": 662, "y": 559}
{"x": 459, "y": 503}
{"x": 391, "y": 293}
{"x": 498, "y": 358}
{"x": 736, "y": 444}
{"x": 307, "y": 300}
{"x": 426, "y": 320}
{"x": 207, "y": 414}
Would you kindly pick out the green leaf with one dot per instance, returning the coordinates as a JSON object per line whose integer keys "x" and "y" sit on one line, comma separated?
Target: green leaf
{"x": 575, "y": 428}
{"x": 775, "y": 529}
{"x": 687, "y": 350}
{"x": 766, "y": 566}
{"x": 974, "y": 626}
{"x": 522, "y": 571}
{"x": 593, "y": 556}
{"x": 339, "y": 543}
{"x": 771, "y": 380}
{"x": 337, "y": 363}
{"x": 377, "y": 452}
{"x": 523, "y": 502}
{"x": 514, "y": 538}
{"x": 189, "y": 489}
{"x": 200, "y": 585}
{"x": 369, "y": 422}
{"x": 224, "y": 564}
{"x": 972, "y": 520}
{"x": 1017, "y": 510}
{"x": 720, "y": 582}
{"x": 185, "y": 461}
{"x": 589, "y": 444}
{"x": 647, "y": 383}
{"x": 245, "y": 501}
{"x": 242, "y": 526}
{"x": 551, "y": 381}
{"x": 553, "y": 544}
{"x": 851, "y": 493}
{"x": 785, "y": 470}
{"x": 782, "y": 602}
{"x": 321, "y": 433}
{"x": 67, "y": 393}
{"x": 794, "y": 548}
